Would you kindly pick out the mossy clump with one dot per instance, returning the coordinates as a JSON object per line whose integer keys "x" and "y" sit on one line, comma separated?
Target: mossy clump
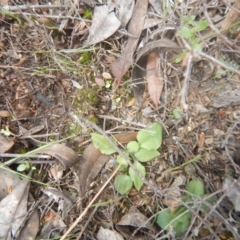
{"x": 87, "y": 14}
{"x": 85, "y": 100}
{"x": 86, "y": 58}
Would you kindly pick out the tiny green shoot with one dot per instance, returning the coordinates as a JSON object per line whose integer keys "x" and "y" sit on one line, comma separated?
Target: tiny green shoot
{"x": 189, "y": 31}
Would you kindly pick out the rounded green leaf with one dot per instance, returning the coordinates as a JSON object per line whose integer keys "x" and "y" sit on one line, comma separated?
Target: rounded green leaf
{"x": 186, "y": 32}
{"x": 196, "y": 187}
{"x": 164, "y": 218}
{"x": 133, "y": 147}
{"x": 179, "y": 223}
{"x": 22, "y": 167}
{"x": 137, "y": 180}
{"x": 177, "y": 113}
{"x": 150, "y": 137}
{"x": 123, "y": 184}
{"x": 144, "y": 155}
{"x": 102, "y": 144}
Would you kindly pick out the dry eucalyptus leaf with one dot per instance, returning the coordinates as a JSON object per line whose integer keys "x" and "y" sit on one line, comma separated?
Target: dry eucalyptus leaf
{"x": 31, "y": 131}
{"x": 132, "y": 221}
{"x": 106, "y": 75}
{"x": 124, "y": 11}
{"x": 104, "y": 24}
{"x": 63, "y": 200}
{"x": 52, "y": 228}
{"x": 104, "y": 234}
{"x": 120, "y": 66}
{"x": 99, "y": 81}
{"x": 156, "y": 4}
{"x": 233, "y": 191}
{"x": 139, "y": 70}
{"x": 154, "y": 77}
{"x": 90, "y": 165}
{"x": 13, "y": 204}
{"x": 31, "y": 227}
{"x": 5, "y": 143}
{"x": 64, "y": 154}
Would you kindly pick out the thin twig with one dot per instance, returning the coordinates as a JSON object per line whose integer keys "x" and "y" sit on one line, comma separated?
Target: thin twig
{"x": 217, "y": 62}
{"x": 121, "y": 120}
{"x": 13, "y": 155}
{"x": 219, "y": 34}
{"x": 54, "y": 16}
{"x": 184, "y": 90}
{"x": 89, "y": 205}
{"x": 25, "y": 7}
{"x": 87, "y": 222}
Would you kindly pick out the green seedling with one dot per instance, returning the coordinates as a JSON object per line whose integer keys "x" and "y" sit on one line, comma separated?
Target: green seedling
{"x": 87, "y": 14}
{"x": 143, "y": 150}
{"x": 23, "y": 166}
{"x": 177, "y": 113}
{"x": 6, "y": 131}
{"x": 179, "y": 219}
{"x": 189, "y": 32}
{"x": 108, "y": 83}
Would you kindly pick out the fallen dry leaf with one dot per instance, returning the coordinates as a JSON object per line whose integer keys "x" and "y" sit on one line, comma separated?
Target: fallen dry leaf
{"x": 120, "y": 66}
{"x": 106, "y": 75}
{"x": 64, "y": 154}
{"x": 90, "y": 165}
{"x": 93, "y": 161}
{"x": 5, "y": 143}
{"x": 154, "y": 77}
{"x": 99, "y": 81}
{"x": 104, "y": 234}
{"x": 134, "y": 220}
{"x": 104, "y": 24}
{"x": 13, "y": 206}
{"x": 124, "y": 11}
{"x": 139, "y": 73}
{"x": 232, "y": 188}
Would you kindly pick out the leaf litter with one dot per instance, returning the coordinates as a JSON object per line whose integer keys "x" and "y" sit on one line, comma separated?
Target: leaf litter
{"x": 207, "y": 128}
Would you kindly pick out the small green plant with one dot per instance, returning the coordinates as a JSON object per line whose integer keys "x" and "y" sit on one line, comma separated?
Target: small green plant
{"x": 177, "y": 114}
{"x": 87, "y": 14}
{"x": 86, "y": 58}
{"x": 189, "y": 32}
{"x": 143, "y": 150}
{"x": 180, "y": 217}
{"x": 24, "y": 166}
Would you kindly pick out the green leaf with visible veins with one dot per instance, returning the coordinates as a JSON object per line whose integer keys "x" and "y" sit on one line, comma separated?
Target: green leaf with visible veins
{"x": 150, "y": 137}
{"x": 123, "y": 183}
{"x": 196, "y": 187}
{"x": 144, "y": 155}
{"x": 135, "y": 178}
{"x": 102, "y": 144}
